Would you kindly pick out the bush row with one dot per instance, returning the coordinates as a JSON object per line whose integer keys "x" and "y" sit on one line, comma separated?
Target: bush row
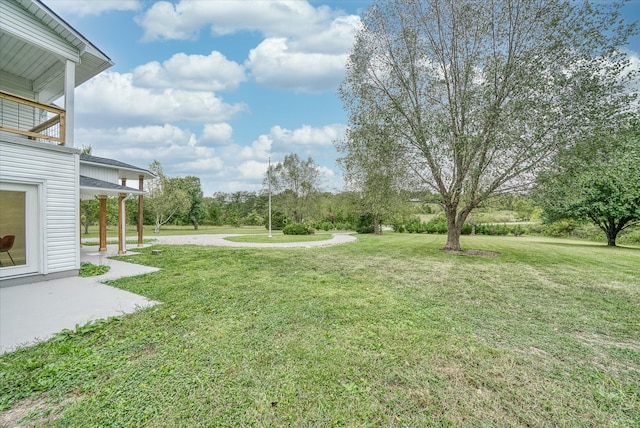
{"x": 329, "y": 225}
{"x": 438, "y": 225}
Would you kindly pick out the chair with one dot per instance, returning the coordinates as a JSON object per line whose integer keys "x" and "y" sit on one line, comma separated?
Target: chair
{"x": 6, "y": 243}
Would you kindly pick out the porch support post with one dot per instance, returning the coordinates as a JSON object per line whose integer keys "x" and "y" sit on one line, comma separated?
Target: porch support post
{"x": 103, "y": 223}
{"x": 121, "y": 223}
{"x": 140, "y": 210}
{"x": 66, "y": 133}
{"x": 80, "y": 217}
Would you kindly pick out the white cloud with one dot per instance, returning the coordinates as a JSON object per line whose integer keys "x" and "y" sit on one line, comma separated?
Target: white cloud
{"x": 200, "y": 165}
{"x": 191, "y": 72}
{"x": 336, "y": 38}
{"x": 217, "y": 133}
{"x": 305, "y": 48}
{"x": 178, "y": 150}
{"x": 316, "y": 142}
{"x": 273, "y": 65}
{"x": 307, "y": 135}
{"x": 184, "y": 20}
{"x": 253, "y": 170}
{"x": 153, "y": 139}
{"x": 94, "y": 7}
{"x": 228, "y": 167}
{"x": 111, "y": 99}
{"x": 259, "y": 149}
{"x": 329, "y": 179}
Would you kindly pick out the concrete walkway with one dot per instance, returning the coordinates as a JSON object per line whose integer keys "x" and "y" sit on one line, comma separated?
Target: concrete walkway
{"x": 33, "y": 312}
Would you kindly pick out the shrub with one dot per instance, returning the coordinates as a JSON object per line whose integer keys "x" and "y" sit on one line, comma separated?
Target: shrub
{"x": 278, "y": 221}
{"x": 345, "y": 226}
{"x": 297, "y": 229}
{"x": 365, "y": 224}
{"x": 560, "y": 228}
{"x": 399, "y": 221}
{"x": 324, "y": 225}
{"x": 415, "y": 226}
{"x": 253, "y": 219}
{"x": 630, "y": 236}
{"x": 438, "y": 224}
{"x": 466, "y": 229}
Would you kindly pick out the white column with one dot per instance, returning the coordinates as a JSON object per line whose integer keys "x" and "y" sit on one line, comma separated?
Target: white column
{"x": 69, "y": 101}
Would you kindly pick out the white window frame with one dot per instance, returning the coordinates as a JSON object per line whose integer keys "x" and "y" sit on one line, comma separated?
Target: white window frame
{"x": 34, "y": 231}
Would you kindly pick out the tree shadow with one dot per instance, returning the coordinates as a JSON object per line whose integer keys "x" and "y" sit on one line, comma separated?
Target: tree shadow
{"x": 589, "y": 245}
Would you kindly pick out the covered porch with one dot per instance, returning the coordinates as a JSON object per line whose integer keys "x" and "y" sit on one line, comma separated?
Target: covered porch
{"x": 102, "y": 178}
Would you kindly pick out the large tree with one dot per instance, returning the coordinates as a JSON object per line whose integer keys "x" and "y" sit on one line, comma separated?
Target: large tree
{"x": 598, "y": 180}
{"x": 296, "y": 182}
{"x": 167, "y": 198}
{"x": 196, "y": 212}
{"x": 477, "y": 95}
{"x": 371, "y": 168}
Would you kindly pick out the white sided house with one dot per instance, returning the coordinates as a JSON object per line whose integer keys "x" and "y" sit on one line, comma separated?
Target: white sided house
{"x": 42, "y": 60}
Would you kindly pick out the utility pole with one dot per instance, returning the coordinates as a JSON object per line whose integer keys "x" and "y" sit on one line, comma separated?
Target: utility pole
{"x": 269, "y": 178}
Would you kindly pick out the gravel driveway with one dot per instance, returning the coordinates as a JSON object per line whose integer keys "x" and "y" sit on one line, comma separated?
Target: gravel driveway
{"x": 218, "y": 240}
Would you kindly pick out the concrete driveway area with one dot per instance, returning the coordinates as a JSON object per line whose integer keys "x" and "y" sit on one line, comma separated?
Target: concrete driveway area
{"x": 34, "y": 312}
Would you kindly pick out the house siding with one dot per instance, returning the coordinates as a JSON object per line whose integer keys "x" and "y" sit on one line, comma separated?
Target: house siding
{"x": 56, "y": 170}
{"x": 100, "y": 172}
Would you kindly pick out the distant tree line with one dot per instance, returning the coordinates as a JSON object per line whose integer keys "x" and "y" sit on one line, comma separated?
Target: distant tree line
{"x": 596, "y": 182}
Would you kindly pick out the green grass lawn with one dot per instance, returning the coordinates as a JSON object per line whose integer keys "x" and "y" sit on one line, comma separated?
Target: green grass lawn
{"x": 386, "y": 331}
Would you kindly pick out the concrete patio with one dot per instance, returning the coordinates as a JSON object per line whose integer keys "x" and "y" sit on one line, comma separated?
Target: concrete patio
{"x": 33, "y": 312}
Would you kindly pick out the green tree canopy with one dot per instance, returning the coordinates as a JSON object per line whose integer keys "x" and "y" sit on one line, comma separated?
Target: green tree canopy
{"x": 371, "y": 167}
{"x": 478, "y": 95}
{"x": 167, "y": 197}
{"x": 297, "y": 182}
{"x": 598, "y": 180}
{"x": 196, "y": 212}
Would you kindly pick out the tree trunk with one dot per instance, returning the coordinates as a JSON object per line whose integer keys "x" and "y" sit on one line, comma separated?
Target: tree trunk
{"x": 377, "y": 230}
{"x": 454, "y": 230}
{"x": 158, "y": 224}
{"x": 611, "y": 229}
{"x": 85, "y": 222}
{"x": 195, "y": 223}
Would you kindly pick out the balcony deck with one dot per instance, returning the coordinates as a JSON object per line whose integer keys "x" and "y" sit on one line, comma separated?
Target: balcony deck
{"x": 34, "y": 120}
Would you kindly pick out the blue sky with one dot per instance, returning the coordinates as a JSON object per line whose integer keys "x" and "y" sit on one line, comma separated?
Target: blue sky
{"x": 212, "y": 88}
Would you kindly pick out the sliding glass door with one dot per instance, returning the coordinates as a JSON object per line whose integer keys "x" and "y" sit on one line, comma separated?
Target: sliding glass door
{"x": 20, "y": 248}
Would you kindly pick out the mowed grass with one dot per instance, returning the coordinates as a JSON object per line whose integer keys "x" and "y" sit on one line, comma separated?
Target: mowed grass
{"x": 386, "y": 331}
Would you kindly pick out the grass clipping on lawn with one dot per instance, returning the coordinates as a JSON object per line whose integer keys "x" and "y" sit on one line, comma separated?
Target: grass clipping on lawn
{"x": 89, "y": 269}
{"x": 386, "y": 331}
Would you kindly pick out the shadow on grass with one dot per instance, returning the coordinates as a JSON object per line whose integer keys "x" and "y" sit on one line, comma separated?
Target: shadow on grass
{"x": 574, "y": 244}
